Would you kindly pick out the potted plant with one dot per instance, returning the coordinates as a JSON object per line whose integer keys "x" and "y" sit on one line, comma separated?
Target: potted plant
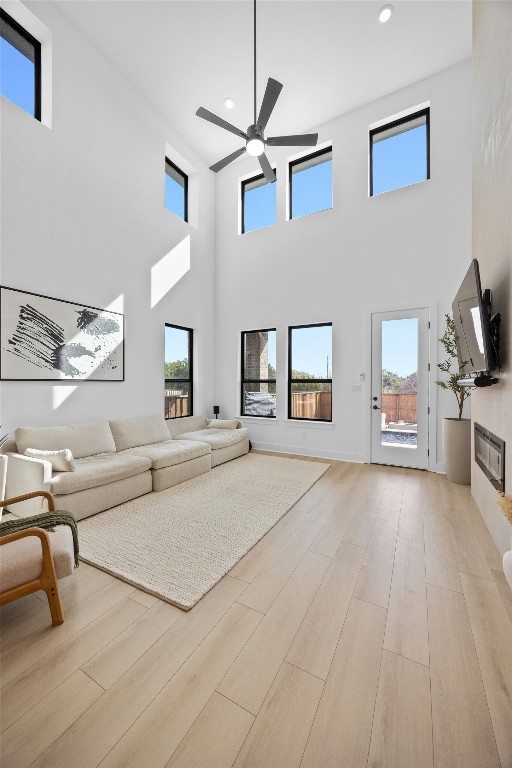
{"x": 456, "y": 433}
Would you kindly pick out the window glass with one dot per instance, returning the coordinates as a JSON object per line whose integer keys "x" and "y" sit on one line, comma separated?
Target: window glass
{"x": 258, "y": 203}
{"x": 310, "y": 372}
{"x": 176, "y": 190}
{"x": 259, "y": 373}
{"x": 311, "y": 184}
{"x": 178, "y": 371}
{"x": 400, "y": 153}
{"x": 20, "y": 56}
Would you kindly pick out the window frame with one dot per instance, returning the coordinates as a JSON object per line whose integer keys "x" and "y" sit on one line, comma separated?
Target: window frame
{"x": 298, "y": 161}
{"x": 36, "y": 44}
{"x": 190, "y": 380}
{"x": 291, "y": 381}
{"x": 393, "y": 124}
{"x": 243, "y": 185}
{"x": 185, "y": 192}
{"x": 243, "y": 380}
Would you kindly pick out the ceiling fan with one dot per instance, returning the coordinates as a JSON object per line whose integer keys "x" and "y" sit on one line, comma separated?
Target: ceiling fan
{"x": 254, "y": 138}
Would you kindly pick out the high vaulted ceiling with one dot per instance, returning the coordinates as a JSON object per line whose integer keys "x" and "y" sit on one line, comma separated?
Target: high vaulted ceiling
{"x": 331, "y": 56}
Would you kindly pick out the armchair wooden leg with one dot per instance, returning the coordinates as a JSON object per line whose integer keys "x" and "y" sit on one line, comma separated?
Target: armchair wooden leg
{"x": 49, "y": 584}
{"x": 52, "y": 593}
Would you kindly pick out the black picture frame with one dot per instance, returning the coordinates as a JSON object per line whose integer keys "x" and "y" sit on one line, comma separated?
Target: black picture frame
{"x": 69, "y": 340}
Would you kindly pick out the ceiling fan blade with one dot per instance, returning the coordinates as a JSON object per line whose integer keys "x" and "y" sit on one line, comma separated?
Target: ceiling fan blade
{"x": 300, "y": 140}
{"x": 206, "y": 115}
{"x": 266, "y": 168}
{"x": 227, "y": 160}
{"x": 272, "y": 92}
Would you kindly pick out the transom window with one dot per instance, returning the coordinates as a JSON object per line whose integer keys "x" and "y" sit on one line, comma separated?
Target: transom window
{"x": 310, "y": 180}
{"x": 258, "y": 203}
{"x": 258, "y": 397}
{"x": 400, "y": 153}
{"x": 176, "y": 190}
{"x": 178, "y": 371}
{"x": 310, "y": 372}
{"x": 20, "y": 66}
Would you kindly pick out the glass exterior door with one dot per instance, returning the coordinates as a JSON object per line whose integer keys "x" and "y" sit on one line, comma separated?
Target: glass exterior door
{"x": 399, "y": 396}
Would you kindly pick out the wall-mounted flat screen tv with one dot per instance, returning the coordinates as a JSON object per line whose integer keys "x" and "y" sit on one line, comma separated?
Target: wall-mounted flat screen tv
{"x": 471, "y": 317}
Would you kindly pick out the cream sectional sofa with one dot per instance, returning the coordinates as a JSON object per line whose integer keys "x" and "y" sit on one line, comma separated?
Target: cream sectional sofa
{"x": 117, "y": 460}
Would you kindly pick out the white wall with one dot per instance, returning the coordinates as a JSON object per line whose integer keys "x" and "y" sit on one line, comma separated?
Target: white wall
{"x": 492, "y": 231}
{"x": 83, "y": 220}
{"x": 411, "y": 245}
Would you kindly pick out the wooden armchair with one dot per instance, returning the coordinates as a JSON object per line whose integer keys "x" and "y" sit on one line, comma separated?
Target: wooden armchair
{"x": 33, "y": 559}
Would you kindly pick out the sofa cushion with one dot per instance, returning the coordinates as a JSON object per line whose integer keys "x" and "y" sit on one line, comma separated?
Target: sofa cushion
{"x": 61, "y": 461}
{"x": 170, "y": 453}
{"x": 85, "y": 439}
{"x": 130, "y": 433}
{"x": 177, "y": 427}
{"x": 218, "y": 438}
{"x": 222, "y": 424}
{"x": 93, "y": 471}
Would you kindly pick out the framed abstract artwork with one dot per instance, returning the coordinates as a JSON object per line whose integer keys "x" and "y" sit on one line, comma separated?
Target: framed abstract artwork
{"x": 45, "y": 339}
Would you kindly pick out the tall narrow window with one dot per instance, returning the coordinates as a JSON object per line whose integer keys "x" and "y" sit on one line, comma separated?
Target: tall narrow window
{"x": 310, "y": 372}
{"x": 178, "y": 371}
{"x": 20, "y": 65}
{"x": 400, "y": 153}
{"x": 176, "y": 190}
{"x": 259, "y": 373}
{"x": 258, "y": 203}
{"x": 310, "y": 180}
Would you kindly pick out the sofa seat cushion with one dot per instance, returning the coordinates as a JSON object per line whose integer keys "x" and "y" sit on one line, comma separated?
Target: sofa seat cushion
{"x": 22, "y": 561}
{"x": 218, "y": 438}
{"x": 94, "y": 471}
{"x": 170, "y": 453}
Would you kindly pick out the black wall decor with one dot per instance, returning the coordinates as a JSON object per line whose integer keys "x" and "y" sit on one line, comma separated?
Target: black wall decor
{"x": 46, "y": 339}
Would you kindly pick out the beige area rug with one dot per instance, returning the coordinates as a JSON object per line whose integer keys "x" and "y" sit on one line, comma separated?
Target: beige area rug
{"x": 178, "y": 543}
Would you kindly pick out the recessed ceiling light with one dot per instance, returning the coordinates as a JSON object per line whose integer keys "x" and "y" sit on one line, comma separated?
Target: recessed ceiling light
{"x": 385, "y": 13}
{"x": 229, "y": 103}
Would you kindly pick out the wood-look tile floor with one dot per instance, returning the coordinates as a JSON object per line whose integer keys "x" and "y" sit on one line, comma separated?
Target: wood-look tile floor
{"x": 371, "y": 626}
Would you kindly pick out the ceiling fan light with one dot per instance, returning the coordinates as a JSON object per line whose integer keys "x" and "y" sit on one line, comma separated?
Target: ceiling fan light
{"x": 229, "y": 103}
{"x": 255, "y": 147}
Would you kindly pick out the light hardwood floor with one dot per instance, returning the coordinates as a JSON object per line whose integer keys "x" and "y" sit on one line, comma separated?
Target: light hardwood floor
{"x": 371, "y": 627}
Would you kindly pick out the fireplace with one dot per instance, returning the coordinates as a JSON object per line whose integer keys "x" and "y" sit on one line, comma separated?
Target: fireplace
{"x": 490, "y": 456}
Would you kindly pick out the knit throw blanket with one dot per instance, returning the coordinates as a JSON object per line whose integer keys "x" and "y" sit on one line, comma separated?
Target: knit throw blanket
{"x": 47, "y": 521}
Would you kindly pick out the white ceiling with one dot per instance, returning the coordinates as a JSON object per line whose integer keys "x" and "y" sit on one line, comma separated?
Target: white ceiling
{"x": 331, "y": 56}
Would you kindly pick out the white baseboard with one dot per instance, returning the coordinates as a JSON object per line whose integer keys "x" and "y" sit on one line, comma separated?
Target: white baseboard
{"x": 357, "y": 458}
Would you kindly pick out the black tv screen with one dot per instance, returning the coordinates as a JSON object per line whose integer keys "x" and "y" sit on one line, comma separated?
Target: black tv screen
{"x": 471, "y": 317}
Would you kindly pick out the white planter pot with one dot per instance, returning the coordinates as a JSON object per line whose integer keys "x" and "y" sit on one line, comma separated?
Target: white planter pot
{"x": 3, "y": 475}
{"x": 457, "y": 450}
{"x": 507, "y": 565}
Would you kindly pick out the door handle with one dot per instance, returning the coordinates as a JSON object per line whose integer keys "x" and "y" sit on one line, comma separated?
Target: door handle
{"x": 375, "y": 407}
{"x": 375, "y": 398}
